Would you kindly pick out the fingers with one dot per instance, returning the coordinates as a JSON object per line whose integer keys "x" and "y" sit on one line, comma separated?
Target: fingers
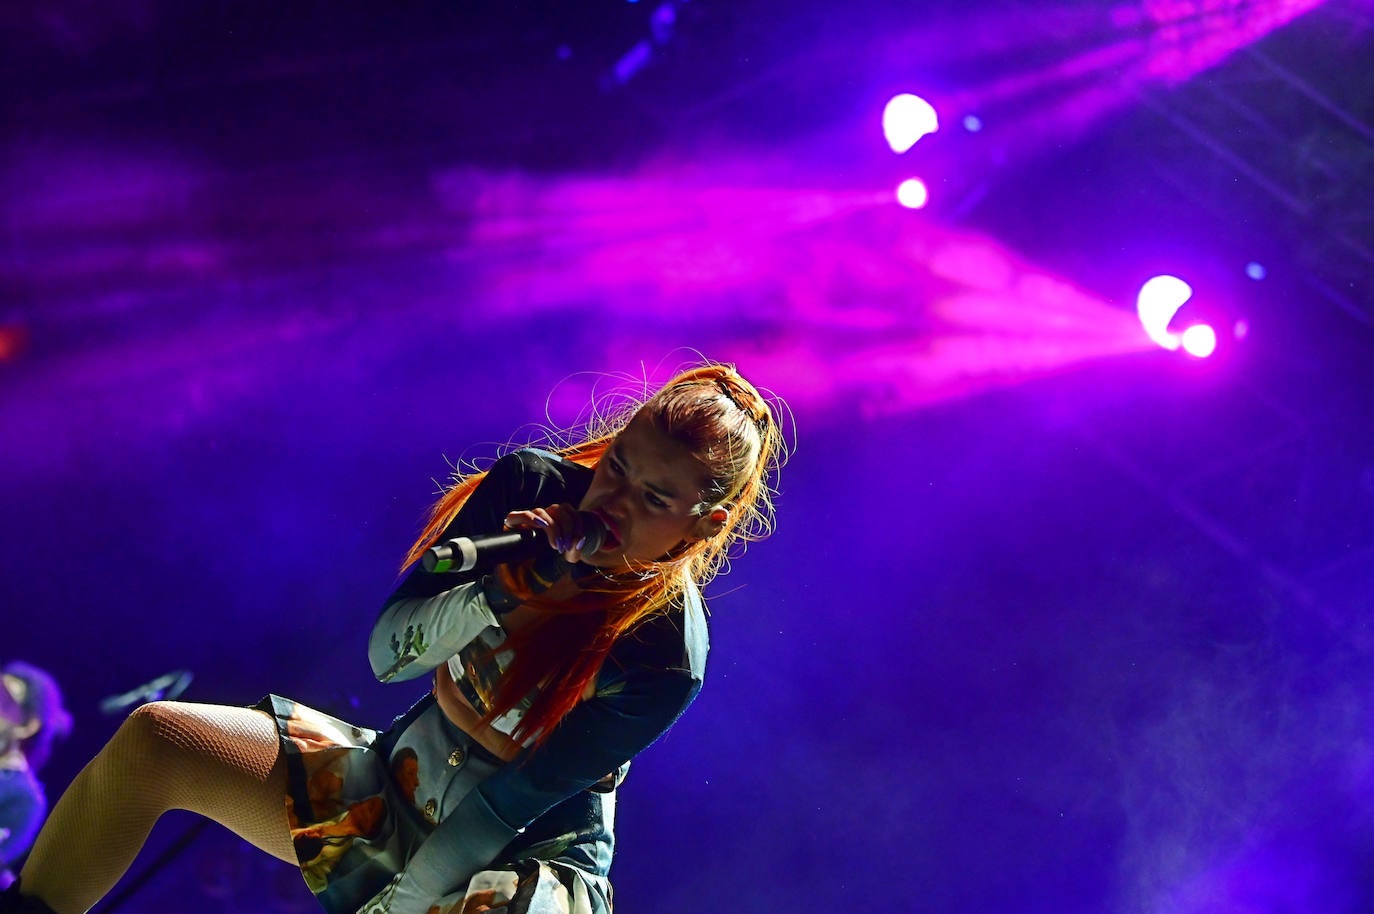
{"x": 560, "y": 524}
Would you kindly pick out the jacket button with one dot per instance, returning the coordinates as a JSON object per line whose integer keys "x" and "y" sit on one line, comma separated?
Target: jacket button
{"x": 430, "y": 808}
{"x": 455, "y": 758}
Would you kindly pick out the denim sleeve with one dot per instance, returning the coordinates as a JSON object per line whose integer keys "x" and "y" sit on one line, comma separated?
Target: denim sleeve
{"x": 413, "y": 635}
{"x": 431, "y": 617}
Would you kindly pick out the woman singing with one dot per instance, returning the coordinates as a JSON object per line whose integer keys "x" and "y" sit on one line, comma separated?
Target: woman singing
{"x": 549, "y": 675}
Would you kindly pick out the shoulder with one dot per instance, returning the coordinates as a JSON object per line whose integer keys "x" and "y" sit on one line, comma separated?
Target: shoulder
{"x": 674, "y": 641}
{"x": 542, "y": 476}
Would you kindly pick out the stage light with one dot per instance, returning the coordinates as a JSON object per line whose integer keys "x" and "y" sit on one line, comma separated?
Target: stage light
{"x": 631, "y": 62}
{"x": 1255, "y": 271}
{"x": 907, "y": 118}
{"x": 973, "y": 123}
{"x": 1199, "y": 341}
{"x": 1158, "y": 303}
{"x": 912, "y": 193}
{"x": 662, "y": 23}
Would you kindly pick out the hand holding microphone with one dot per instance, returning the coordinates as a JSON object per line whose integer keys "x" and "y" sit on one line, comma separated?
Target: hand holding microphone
{"x": 561, "y": 527}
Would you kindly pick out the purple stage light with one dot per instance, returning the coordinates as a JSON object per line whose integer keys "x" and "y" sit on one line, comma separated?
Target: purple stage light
{"x": 631, "y": 62}
{"x": 1255, "y": 271}
{"x": 913, "y": 193}
{"x": 907, "y": 118}
{"x": 1158, "y": 304}
{"x": 1158, "y": 301}
{"x": 1199, "y": 341}
{"x": 662, "y": 22}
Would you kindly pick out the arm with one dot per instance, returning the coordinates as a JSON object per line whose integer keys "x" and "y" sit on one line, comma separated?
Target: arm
{"x": 414, "y": 635}
{"x": 431, "y": 617}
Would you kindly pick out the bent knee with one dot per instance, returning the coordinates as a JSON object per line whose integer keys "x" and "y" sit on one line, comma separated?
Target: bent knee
{"x": 172, "y": 738}
{"x": 209, "y": 740}
{"x": 145, "y": 756}
{"x": 158, "y": 729}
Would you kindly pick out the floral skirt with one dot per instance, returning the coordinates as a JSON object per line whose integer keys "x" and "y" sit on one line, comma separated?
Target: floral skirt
{"x": 360, "y": 802}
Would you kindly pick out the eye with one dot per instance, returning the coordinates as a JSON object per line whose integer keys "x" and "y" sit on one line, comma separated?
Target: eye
{"x": 617, "y": 467}
{"x": 654, "y": 500}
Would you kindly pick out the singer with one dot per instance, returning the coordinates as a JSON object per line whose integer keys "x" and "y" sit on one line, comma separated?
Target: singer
{"x": 549, "y": 674}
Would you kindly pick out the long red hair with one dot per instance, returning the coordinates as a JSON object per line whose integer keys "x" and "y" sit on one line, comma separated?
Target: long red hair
{"x": 727, "y": 424}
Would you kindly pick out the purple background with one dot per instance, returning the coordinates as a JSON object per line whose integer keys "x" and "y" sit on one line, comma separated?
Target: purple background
{"x": 1053, "y": 621}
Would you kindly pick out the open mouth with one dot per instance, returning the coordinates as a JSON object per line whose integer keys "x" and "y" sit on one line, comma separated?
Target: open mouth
{"x": 612, "y": 539}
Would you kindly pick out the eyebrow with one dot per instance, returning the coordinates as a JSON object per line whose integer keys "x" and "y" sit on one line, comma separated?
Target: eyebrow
{"x": 620, "y": 455}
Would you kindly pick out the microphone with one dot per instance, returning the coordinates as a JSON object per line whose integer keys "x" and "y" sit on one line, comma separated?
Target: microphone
{"x": 464, "y": 553}
{"x": 163, "y": 688}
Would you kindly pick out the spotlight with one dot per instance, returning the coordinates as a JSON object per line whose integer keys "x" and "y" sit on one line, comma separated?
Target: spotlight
{"x": 912, "y": 193}
{"x": 1158, "y": 302}
{"x": 662, "y": 22}
{"x": 907, "y": 118}
{"x": 973, "y": 123}
{"x": 631, "y": 62}
{"x": 1255, "y": 271}
{"x": 1199, "y": 341}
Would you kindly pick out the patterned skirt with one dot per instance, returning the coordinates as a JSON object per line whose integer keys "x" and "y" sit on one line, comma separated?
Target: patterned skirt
{"x": 360, "y": 802}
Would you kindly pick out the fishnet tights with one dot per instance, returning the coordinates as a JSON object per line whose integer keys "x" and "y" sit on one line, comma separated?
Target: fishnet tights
{"x": 217, "y": 761}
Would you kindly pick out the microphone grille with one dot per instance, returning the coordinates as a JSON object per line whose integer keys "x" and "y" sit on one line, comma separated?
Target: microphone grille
{"x": 594, "y": 529}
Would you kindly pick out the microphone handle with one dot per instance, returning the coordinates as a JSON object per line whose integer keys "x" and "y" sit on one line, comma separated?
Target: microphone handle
{"x": 462, "y": 553}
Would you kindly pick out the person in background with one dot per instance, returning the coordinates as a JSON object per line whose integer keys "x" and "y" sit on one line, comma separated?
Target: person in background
{"x": 31, "y": 717}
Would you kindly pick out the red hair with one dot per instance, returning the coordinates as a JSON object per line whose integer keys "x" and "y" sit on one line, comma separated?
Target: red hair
{"x": 726, "y": 423}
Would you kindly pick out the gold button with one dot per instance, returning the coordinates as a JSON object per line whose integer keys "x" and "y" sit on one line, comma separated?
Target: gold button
{"x": 430, "y": 807}
{"x": 455, "y": 758}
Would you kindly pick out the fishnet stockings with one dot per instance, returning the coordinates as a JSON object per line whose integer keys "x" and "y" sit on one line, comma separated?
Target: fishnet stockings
{"x": 217, "y": 761}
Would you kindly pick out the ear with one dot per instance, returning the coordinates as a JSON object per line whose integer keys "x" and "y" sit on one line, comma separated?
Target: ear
{"x": 711, "y": 522}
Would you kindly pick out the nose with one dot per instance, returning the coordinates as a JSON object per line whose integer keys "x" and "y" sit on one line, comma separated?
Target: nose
{"x": 616, "y": 501}
{"x": 614, "y": 505}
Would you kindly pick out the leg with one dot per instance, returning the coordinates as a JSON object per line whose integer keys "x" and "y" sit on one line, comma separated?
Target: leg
{"x": 220, "y": 762}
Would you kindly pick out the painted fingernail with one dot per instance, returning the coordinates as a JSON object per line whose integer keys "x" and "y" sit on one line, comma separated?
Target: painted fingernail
{"x": 541, "y": 522}
{"x": 580, "y": 543}
{"x": 561, "y": 544}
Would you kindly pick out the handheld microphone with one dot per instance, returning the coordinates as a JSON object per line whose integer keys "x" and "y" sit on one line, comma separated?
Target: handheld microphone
{"x": 464, "y": 553}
